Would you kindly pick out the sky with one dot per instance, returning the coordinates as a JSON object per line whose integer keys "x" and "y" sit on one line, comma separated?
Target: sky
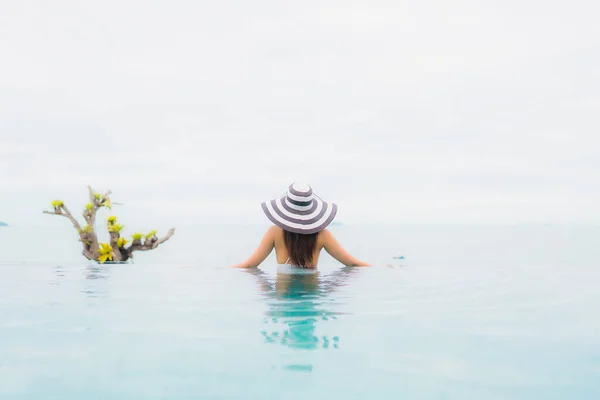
{"x": 398, "y": 111}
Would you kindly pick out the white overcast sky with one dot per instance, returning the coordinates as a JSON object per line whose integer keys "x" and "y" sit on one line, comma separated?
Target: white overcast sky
{"x": 399, "y": 111}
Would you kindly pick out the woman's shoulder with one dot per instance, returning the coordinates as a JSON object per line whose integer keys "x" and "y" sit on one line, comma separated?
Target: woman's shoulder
{"x": 275, "y": 232}
{"x": 275, "y": 229}
{"x": 324, "y": 236}
{"x": 325, "y": 233}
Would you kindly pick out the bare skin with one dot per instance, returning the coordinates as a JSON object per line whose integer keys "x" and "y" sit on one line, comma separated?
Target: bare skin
{"x": 273, "y": 238}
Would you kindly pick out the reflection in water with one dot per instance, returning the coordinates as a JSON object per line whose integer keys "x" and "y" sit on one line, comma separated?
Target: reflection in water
{"x": 59, "y": 272}
{"x": 95, "y": 274}
{"x": 297, "y": 302}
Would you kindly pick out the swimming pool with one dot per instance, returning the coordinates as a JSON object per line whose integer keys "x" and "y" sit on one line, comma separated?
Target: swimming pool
{"x": 471, "y": 313}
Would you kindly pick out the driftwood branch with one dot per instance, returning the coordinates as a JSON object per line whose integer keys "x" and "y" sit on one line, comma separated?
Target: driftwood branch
{"x": 93, "y": 198}
{"x": 84, "y": 237}
{"x": 90, "y": 215}
{"x": 101, "y": 252}
{"x": 149, "y": 244}
{"x": 114, "y": 239}
{"x": 87, "y": 253}
{"x": 65, "y": 214}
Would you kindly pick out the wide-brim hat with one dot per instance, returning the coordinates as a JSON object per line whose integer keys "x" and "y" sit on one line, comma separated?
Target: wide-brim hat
{"x": 300, "y": 210}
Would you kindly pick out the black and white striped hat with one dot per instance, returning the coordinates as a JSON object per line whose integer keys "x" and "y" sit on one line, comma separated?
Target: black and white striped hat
{"x": 300, "y": 210}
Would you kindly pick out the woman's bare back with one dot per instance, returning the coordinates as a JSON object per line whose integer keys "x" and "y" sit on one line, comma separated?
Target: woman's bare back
{"x": 274, "y": 239}
{"x": 283, "y": 255}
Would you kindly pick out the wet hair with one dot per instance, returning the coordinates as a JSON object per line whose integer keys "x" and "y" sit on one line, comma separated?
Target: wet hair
{"x": 301, "y": 247}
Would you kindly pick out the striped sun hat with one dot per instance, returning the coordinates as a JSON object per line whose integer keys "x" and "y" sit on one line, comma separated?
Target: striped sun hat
{"x": 300, "y": 210}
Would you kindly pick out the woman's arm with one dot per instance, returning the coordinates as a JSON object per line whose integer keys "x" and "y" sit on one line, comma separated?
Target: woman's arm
{"x": 262, "y": 251}
{"x": 335, "y": 249}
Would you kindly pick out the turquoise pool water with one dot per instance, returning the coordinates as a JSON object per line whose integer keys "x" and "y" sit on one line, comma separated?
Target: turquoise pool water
{"x": 470, "y": 313}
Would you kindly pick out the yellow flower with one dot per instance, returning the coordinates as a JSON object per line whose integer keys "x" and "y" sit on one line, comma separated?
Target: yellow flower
{"x": 105, "y": 253}
{"x": 115, "y": 227}
{"x": 137, "y": 236}
{"x": 86, "y": 229}
{"x": 122, "y": 242}
{"x": 89, "y": 206}
{"x": 97, "y": 196}
{"x": 106, "y": 203}
{"x": 150, "y": 235}
{"x": 57, "y": 203}
{"x": 111, "y": 220}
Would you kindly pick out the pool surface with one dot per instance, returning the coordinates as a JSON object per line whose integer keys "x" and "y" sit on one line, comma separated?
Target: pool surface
{"x": 468, "y": 314}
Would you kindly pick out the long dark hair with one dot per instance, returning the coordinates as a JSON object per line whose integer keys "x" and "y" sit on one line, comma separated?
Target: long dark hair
{"x": 301, "y": 247}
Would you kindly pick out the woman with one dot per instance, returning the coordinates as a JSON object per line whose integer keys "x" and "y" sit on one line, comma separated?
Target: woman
{"x": 299, "y": 234}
